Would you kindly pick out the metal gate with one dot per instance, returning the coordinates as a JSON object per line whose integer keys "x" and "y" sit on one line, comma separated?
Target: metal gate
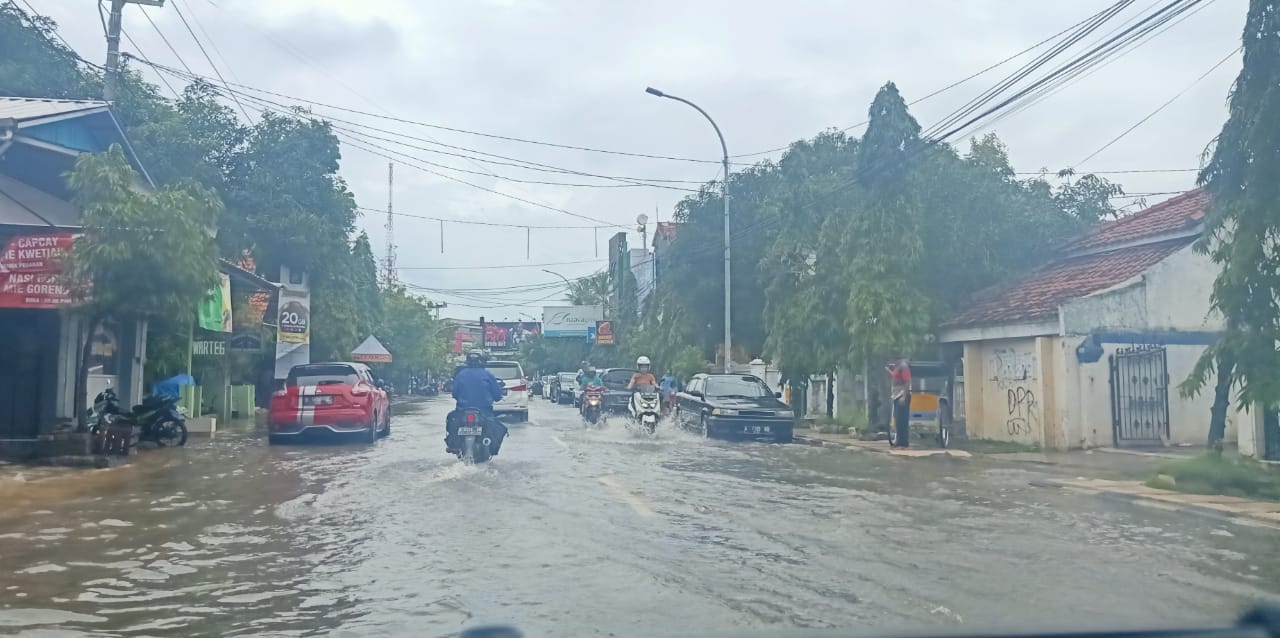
{"x": 1140, "y": 396}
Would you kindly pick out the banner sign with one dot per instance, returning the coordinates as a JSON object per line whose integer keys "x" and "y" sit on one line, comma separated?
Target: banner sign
{"x": 295, "y": 317}
{"x": 570, "y": 321}
{"x": 604, "y": 333}
{"x": 208, "y": 348}
{"x": 508, "y": 335}
{"x": 29, "y": 267}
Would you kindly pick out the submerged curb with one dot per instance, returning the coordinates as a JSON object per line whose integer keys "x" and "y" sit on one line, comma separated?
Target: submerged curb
{"x": 1168, "y": 504}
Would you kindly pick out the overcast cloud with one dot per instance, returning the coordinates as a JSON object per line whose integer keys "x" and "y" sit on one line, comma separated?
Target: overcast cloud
{"x": 574, "y": 72}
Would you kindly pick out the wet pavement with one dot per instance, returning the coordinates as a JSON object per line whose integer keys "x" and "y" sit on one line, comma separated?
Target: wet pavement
{"x": 574, "y": 533}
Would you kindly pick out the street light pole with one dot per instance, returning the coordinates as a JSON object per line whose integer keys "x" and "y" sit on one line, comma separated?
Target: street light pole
{"x": 724, "y": 197}
{"x": 552, "y": 272}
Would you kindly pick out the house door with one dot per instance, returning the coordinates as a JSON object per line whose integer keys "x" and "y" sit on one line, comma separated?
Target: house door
{"x": 1270, "y": 447}
{"x": 1140, "y": 396}
{"x": 21, "y": 372}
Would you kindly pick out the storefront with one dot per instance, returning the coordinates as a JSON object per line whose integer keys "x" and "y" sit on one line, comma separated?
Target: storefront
{"x": 40, "y": 334}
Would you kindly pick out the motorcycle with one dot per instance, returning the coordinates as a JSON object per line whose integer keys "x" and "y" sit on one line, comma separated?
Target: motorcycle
{"x": 478, "y": 440}
{"x": 645, "y": 406}
{"x": 593, "y": 405}
{"x": 157, "y": 419}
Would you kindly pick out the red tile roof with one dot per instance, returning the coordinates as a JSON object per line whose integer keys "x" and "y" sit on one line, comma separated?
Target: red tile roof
{"x": 666, "y": 230}
{"x": 1038, "y": 295}
{"x": 1174, "y": 214}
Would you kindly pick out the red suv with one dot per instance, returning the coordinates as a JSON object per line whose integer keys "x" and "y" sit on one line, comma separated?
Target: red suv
{"x": 341, "y": 398}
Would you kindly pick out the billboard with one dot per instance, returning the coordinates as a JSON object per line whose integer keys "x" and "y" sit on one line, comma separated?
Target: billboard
{"x": 29, "y": 268}
{"x": 508, "y": 335}
{"x": 295, "y": 317}
{"x": 570, "y": 321}
{"x": 604, "y": 333}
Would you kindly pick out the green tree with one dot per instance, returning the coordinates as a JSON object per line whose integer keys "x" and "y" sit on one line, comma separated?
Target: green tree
{"x": 589, "y": 291}
{"x": 142, "y": 253}
{"x": 416, "y": 340}
{"x": 1242, "y": 223}
{"x": 34, "y": 63}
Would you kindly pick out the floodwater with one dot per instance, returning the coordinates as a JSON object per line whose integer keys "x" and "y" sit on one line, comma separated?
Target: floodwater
{"x": 573, "y": 533}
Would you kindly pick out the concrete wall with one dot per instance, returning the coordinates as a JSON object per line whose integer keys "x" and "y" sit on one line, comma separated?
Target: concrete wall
{"x": 1003, "y": 390}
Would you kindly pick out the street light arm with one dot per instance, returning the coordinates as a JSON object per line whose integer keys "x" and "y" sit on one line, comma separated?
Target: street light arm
{"x": 552, "y": 272}
{"x": 723, "y": 147}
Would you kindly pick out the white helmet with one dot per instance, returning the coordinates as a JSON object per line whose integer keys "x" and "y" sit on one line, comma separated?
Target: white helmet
{"x": 642, "y": 361}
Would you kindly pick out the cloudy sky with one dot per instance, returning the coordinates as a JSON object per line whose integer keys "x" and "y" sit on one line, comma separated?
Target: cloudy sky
{"x": 573, "y": 72}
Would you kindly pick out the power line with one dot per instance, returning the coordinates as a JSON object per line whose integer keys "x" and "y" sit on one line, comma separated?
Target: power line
{"x": 471, "y": 132}
{"x": 1084, "y": 71}
{"x": 400, "y": 136}
{"x": 143, "y": 55}
{"x": 1090, "y": 57}
{"x": 1121, "y": 172}
{"x": 490, "y": 190}
{"x": 213, "y": 66}
{"x": 472, "y": 222}
{"x": 504, "y": 267}
{"x": 942, "y": 90}
{"x": 1161, "y": 107}
{"x": 164, "y": 39}
{"x": 31, "y": 11}
{"x": 477, "y": 186}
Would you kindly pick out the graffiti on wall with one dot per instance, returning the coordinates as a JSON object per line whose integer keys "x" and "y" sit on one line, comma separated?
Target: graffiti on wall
{"x": 1014, "y": 372}
{"x": 1023, "y": 418}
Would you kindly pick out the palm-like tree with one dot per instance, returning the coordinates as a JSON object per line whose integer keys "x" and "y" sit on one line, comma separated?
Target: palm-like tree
{"x": 589, "y": 291}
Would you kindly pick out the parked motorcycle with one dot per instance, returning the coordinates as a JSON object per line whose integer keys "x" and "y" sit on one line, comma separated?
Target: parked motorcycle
{"x": 157, "y": 419}
{"x": 593, "y": 405}
{"x": 645, "y": 406}
{"x": 477, "y": 439}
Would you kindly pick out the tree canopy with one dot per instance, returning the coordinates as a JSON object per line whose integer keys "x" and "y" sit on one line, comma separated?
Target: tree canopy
{"x": 1242, "y": 223}
{"x": 850, "y": 248}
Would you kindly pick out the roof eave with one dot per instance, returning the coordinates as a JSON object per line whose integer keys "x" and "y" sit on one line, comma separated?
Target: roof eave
{"x": 1010, "y": 329}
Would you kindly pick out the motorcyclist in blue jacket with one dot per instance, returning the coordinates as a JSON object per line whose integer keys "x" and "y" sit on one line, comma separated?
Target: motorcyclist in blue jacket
{"x": 476, "y": 388}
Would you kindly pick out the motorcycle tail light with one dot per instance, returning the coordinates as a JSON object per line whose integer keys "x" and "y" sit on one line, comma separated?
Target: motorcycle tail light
{"x": 471, "y": 418}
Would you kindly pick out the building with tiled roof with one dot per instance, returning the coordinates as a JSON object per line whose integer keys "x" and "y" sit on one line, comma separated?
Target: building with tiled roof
{"x": 1088, "y": 349}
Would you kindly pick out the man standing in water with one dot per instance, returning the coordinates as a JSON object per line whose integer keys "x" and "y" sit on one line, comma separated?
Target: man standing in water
{"x": 900, "y": 393}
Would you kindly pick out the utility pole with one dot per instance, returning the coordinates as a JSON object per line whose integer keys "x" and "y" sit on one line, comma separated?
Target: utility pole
{"x": 435, "y": 307}
{"x": 389, "y": 276}
{"x": 111, "y": 83}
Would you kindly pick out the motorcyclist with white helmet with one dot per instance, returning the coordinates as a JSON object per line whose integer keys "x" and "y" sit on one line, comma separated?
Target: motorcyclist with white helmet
{"x": 642, "y": 376}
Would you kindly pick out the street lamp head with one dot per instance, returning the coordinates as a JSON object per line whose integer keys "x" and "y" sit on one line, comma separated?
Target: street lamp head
{"x": 652, "y": 91}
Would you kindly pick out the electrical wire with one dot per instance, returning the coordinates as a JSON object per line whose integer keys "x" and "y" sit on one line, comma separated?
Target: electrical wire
{"x": 472, "y": 222}
{"x": 468, "y": 131}
{"x": 31, "y": 11}
{"x": 944, "y": 89}
{"x": 164, "y": 39}
{"x": 400, "y": 137}
{"x": 213, "y": 66}
{"x": 505, "y": 267}
{"x": 1161, "y": 107}
{"x": 1091, "y": 56}
{"x": 1074, "y": 76}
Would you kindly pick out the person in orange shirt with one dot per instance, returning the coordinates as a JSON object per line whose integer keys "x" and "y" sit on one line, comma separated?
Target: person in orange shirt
{"x": 642, "y": 375}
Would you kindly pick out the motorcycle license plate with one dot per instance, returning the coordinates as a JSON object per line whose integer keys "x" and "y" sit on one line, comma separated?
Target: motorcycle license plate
{"x": 649, "y": 418}
{"x": 470, "y": 430}
{"x": 318, "y": 400}
{"x": 756, "y": 429}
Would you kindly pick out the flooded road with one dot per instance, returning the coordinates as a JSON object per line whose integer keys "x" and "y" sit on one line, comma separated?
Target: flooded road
{"x": 575, "y": 533}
